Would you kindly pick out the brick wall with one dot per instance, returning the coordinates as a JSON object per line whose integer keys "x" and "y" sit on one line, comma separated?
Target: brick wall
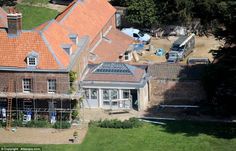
{"x": 176, "y": 92}
{"x": 81, "y": 63}
{"x": 39, "y": 81}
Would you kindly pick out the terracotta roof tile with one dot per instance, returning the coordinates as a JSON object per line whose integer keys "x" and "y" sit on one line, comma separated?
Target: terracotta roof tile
{"x": 87, "y": 17}
{"x": 57, "y": 36}
{"x": 110, "y": 51}
{"x": 13, "y": 51}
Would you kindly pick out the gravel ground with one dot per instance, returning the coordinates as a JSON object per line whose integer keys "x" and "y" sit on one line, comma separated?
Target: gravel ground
{"x": 42, "y": 135}
{"x": 203, "y": 46}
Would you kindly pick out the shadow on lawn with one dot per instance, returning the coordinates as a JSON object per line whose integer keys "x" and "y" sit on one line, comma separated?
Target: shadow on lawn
{"x": 182, "y": 86}
{"x": 190, "y": 128}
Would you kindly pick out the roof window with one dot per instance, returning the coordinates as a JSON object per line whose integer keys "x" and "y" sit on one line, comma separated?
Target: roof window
{"x": 74, "y": 38}
{"x": 67, "y": 48}
{"x": 32, "y": 59}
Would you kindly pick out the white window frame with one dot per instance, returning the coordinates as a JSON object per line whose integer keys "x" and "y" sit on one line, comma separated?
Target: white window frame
{"x": 91, "y": 94}
{"x": 75, "y": 40}
{"x": 68, "y": 50}
{"x": 29, "y": 63}
{"x": 128, "y": 55}
{"x": 50, "y": 90}
{"x": 125, "y": 90}
{"x": 27, "y": 90}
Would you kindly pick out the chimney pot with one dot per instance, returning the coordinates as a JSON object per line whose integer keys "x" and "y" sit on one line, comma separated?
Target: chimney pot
{"x": 14, "y": 20}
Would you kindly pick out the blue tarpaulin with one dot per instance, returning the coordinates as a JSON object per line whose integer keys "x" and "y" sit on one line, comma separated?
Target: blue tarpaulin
{"x": 138, "y": 47}
{"x": 160, "y": 52}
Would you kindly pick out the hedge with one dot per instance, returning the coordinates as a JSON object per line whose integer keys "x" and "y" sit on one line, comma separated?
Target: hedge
{"x": 62, "y": 125}
{"x": 114, "y": 123}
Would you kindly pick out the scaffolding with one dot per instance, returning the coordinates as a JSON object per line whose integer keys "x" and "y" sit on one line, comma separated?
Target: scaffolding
{"x": 38, "y": 99}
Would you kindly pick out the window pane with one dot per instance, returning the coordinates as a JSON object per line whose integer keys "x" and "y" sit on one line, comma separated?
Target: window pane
{"x": 106, "y": 102}
{"x": 86, "y": 93}
{"x": 125, "y": 94}
{"x": 26, "y": 84}
{"x": 114, "y": 94}
{"x": 32, "y": 61}
{"x": 94, "y": 93}
{"x": 115, "y": 103}
{"x": 51, "y": 85}
{"x": 105, "y": 94}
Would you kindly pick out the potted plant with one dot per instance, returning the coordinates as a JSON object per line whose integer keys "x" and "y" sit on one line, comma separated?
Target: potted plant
{"x": 75, "y": 135}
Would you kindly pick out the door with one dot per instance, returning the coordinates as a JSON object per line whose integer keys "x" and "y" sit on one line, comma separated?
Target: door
{"x": 134, "y": 97}
{"x": 110, "y": 98}
{"x": 91, "y": 98}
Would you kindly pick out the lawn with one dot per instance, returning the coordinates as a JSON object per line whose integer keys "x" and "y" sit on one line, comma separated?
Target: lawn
{"x": 34, "y": 16}
{"x": 175, "y": 136}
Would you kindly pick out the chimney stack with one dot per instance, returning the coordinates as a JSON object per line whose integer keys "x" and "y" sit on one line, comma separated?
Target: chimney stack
{"x": 14, "y": 20}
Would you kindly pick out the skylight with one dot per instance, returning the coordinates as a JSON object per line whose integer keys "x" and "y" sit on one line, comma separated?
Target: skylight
{"x": 113, "y": 68}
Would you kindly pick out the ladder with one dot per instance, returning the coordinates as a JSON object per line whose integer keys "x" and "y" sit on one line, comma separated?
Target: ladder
{"x": 9, "y": 112}
{"x": 9, "y": 105}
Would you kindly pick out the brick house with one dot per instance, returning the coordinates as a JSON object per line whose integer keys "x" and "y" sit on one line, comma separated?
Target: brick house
{"x": 37, "y": 66}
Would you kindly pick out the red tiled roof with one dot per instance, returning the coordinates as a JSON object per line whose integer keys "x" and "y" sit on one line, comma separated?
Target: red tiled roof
{"x": 135, "y": 77}
{"x": 13, "y": 51}
{"x": 87, "y": 17}
{"x": 65, "y": 11}
{"x": 3, "y": 18}
{"x": 57, "y": 36}
{"x": 110, "y": 51}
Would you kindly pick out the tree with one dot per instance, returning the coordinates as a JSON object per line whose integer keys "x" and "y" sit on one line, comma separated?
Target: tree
{"x": 220, "y": 77}
{"x": 174, "y": 11}
{"x": 123, "y": 3}
{"x": 142, "y": 13}
{"x": 7, "y": 3}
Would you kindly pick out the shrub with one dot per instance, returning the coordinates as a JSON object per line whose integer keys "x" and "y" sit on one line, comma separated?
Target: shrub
{"x": 131, "y": 123}
{"x": 17, "y": 123}
{"x": 74, "y": 114}
{"x": 38, "y": 123}
{"x": 94, "y": 123}
{"x": 62, "y": 125}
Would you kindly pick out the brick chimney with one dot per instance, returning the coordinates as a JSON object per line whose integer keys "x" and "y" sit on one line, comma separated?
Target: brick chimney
{"x": 14, "y": 20}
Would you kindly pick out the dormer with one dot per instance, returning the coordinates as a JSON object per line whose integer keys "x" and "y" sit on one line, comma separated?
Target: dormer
{"x": 74, "y": 38}
{"x": 67, "y": 48}
{"x": 32, "y": 59}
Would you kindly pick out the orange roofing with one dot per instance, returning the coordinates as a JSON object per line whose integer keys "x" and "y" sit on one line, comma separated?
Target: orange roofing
{"x": 87, "y": 17}
{"x": 65, "y": 11}
{"x": 57, "y": 36}
{"x": 110, "y": 51}
{"x": 13, "y": 51}
{"x": 3, "y": 18}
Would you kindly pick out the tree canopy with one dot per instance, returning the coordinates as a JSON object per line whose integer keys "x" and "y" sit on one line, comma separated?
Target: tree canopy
{"x": 7, "y": 2}
{"x": 141, "y": 12}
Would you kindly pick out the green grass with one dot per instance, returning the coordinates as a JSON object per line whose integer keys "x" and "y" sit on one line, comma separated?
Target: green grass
{"x": 175, "y": 136}
{"x": 41, "y": 2}
{"x": 34, "y": 16}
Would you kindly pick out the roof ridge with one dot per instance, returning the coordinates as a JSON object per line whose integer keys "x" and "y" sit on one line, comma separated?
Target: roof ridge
{"x": 50, "y": 49}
